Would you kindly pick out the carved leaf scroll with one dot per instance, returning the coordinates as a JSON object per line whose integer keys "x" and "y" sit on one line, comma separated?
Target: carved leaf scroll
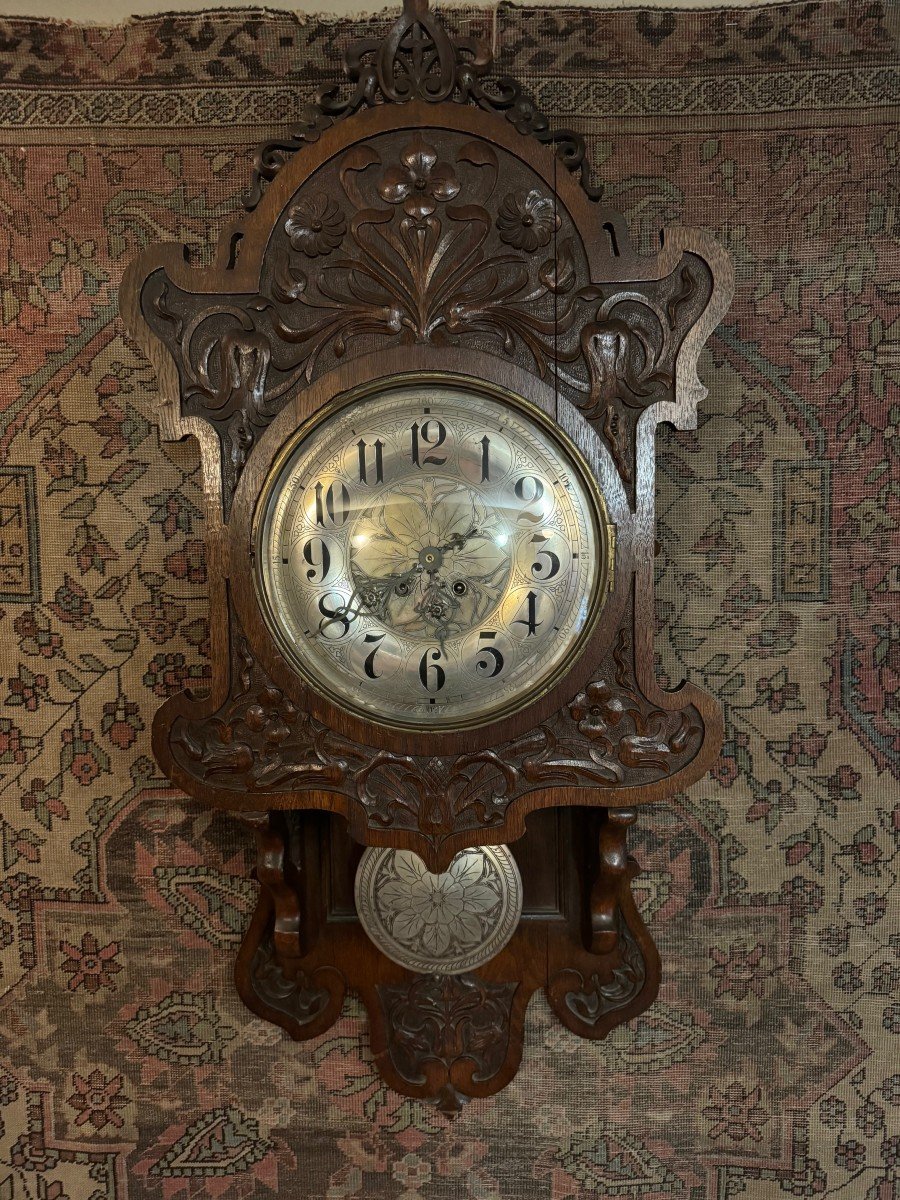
{"x": 260, "y": 742}
{"x": 627, "y": 353}
{"x": 591, "y": 999}
{"x": 296, "y": 997}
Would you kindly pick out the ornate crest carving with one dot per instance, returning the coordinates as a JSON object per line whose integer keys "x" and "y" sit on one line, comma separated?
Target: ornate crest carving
{"x": 400, "y": 243}
{"x": 417, "y": 61}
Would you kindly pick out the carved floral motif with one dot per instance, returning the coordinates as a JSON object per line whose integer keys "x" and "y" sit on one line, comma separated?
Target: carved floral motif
{"x": 418, "y": 267}
{"x": 446, "y": 1019}
{"x": 616, "y": 721}
{"x": 315, "y": 226}
{"x": 527, "y": 220}
{"x": 262, "y": 740}
{"x": 419, "y": 182}
{"x": 609, "y": 736}
{"x": 413, "y": 243}
{"x": 414, "y": 246}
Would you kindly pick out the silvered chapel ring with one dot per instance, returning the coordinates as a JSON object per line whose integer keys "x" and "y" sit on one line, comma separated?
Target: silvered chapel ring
{"x": 439, "y": 924}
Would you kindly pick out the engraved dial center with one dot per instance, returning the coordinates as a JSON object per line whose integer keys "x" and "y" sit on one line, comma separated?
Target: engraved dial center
{"x": 430, "y": 557}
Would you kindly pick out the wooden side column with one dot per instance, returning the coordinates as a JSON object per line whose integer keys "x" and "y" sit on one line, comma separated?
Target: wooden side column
{"x": 276, "y": 972}
{"x": 593, "y": 989}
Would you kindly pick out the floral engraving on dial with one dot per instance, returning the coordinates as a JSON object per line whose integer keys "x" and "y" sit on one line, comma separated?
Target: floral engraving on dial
{"x": 431, "y": 555}
{"x": 442, "y": 924}
{"x": 435, "y": 566}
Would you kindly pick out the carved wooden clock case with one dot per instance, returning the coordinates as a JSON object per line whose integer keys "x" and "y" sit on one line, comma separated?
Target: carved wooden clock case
{"x": 423, "y": 243}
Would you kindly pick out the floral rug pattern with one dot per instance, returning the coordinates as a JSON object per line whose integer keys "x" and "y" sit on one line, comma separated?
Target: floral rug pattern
{"x": 771, "y": 1064}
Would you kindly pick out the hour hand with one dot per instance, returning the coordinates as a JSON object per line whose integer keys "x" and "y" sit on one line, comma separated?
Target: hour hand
{"x": 372, "y": 595}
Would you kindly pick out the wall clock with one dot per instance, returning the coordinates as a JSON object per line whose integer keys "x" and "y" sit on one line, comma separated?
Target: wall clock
{"x": 425, "y": 373}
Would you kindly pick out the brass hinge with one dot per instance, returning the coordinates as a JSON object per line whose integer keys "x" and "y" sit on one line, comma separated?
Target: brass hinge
{"x": 610, "y": 555}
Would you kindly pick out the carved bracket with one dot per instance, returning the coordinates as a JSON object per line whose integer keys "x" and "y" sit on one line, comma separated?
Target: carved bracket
{"x": 617, "y": 975}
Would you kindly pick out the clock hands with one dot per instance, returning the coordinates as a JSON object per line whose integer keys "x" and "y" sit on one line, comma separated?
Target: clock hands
{"x": 458, "y": 541}
{"x": 371, "y": 595}
{"x": 438, "y": 603}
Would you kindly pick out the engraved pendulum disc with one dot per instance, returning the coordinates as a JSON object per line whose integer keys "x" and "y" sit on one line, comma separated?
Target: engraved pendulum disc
{"x": 439, "y": 924}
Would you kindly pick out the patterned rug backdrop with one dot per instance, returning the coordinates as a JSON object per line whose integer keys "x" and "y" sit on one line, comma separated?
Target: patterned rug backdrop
{"x": 771, "y": 1064}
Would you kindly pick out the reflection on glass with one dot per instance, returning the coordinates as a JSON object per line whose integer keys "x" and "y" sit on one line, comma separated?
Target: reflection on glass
{"x": 431, "y": 555}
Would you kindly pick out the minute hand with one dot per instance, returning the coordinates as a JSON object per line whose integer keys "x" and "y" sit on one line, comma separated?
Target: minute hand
{"x": 458, "y": 541}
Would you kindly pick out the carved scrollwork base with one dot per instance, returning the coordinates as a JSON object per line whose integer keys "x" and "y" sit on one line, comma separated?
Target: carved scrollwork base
{"x": 445, "y": 1033}
{"x": 440, "y": 1038}
{"x": 303, "y": 1000}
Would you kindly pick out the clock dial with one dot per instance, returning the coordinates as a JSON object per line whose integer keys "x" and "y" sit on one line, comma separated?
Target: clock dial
{"x": 431, "y": 556}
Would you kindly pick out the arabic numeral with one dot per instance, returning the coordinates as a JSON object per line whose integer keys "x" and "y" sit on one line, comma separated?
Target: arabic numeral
{"x": 429, "y": 435}
{"x": 530, "y": 490}
{"x": 373, "y": 639}
{"x": 530, "y": 621}
{"x": 318, "y": 558}
{"x": 485, "y": 459}
{"x": 431, "y": 673}
{"x": 371, "y": 472}
{"x": 492, "y": 664}
{"x": 332, "y": 503}
{"x": 333, "y": 617}
{"x": 550, "y": 565}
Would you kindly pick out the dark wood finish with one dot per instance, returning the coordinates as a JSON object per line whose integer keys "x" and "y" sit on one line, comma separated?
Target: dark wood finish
{"x": 520, "y": 276}
{"x": 610, "y": 741}
{"x": 449, "y": 1038}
